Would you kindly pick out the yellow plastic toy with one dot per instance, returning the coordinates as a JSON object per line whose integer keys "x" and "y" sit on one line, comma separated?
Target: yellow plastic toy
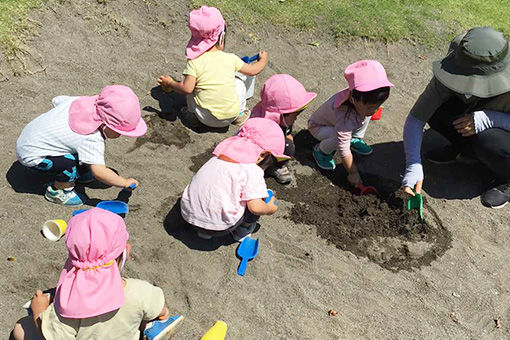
{"x": 216, "y": 332}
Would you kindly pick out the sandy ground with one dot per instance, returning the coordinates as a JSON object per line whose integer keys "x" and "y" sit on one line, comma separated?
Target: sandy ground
{"x": 80, "y": 46}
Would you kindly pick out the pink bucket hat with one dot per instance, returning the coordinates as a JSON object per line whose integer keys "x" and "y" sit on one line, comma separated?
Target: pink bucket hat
{"x": 281, "y": 94}
{"x": 256, "y": 135}
{"x": 90, "y": 283}
{"x": 366, "y": 75}
{"x": 206, "y": 25}
{"x": 117, "y": 106}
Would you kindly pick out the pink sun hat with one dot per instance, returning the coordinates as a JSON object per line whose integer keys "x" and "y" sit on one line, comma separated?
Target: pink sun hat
{"x": 281, "y": 94}
{"x": 255, "y": 136}
{"x": 90, "y": 283}
{"x": 366, "y": 75}
{"x": 206, "y": 24}
{"x": 117, "y": 107}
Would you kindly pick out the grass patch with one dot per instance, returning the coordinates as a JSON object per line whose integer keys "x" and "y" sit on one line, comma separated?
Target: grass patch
{"x": 13, "y": 22}
{"x": 423, "y": 21}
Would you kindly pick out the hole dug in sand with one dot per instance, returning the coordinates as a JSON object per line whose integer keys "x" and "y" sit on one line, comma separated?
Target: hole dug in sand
{"x": 376, "y": 227}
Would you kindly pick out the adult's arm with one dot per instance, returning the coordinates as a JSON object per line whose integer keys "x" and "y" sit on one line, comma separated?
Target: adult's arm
{"x": 413, "y": 136}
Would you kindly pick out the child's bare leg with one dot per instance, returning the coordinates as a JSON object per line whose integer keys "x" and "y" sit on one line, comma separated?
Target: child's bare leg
{"x": 62, "y": 185}
{"x": 25, "y": 329}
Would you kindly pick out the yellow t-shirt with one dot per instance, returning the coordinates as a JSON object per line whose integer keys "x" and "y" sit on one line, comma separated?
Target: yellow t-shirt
{"x": 143, "y": 301}
{"x": 215, "y": 89}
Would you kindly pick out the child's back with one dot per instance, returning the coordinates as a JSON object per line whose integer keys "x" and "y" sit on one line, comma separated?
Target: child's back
{"x": 215, "y": 88}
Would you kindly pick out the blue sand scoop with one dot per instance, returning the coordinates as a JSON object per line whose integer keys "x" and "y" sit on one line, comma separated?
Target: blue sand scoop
{"x": 116, "y": 207}
{"x": 268, "y": 198}
{"x": 247, "y": 250}
{"x": 248, "y": 59}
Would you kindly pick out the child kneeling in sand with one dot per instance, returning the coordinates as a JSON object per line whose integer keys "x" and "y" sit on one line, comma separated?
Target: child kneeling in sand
{"x": 92, "y": 300}
{"x": 69, "y": 140}
{"x": 214, "y": 95}
{"x": 348, "y": 111}
{"x": 227, "y": 194}
{"x": 283, "y": 98}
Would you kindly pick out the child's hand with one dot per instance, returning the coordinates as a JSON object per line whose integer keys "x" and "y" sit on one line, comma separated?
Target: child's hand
{"x": 273, "y": 204}
{"x": 354, "y": 178}
{"x": 263, "y": 55}
{"x": 39, "y": 303}
{"x": 130, "y": 181}
{"x": 166, "y": 82}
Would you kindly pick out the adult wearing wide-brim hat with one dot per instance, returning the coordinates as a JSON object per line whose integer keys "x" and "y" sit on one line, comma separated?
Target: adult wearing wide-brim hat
{"x": 468, "y": 102}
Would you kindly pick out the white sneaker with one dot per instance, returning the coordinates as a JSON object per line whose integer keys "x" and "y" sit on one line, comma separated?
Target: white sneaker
{"x": 241, "y": 232}
{"x": 63, "y": 196}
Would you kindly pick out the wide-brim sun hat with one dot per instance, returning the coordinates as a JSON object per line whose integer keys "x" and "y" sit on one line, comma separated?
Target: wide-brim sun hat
{"x": 90, "y": 283}
{"x": 366, "y": 75}
{"x": 255, "y": 136}
{"x": 282, "y": 94}
{"x": 116, "y": 106}
{"x": 477, "y": 63}
{"x": 206, "y": 24}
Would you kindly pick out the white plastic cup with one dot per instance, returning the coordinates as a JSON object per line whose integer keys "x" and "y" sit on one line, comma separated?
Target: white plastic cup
{"x": 53, "y": 230}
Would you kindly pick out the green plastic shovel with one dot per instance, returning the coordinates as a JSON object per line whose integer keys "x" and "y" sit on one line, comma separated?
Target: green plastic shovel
{"x": 416, "y": 202}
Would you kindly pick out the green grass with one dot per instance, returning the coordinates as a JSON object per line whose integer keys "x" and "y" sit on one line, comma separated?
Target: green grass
{"x": 13, "y": 22}
{"x": 423, "y": 21}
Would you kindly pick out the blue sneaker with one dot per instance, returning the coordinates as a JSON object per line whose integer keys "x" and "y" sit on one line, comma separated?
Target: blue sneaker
{"x": 323, "y": 160}
{"x": 63, "y": 196}
{"x": 86, "y": 178}
{"x": 158, "y": 329}
{"x": 360, "y": 147}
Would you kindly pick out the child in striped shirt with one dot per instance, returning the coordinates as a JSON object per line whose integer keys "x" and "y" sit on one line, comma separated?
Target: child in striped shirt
{"x": 69, "y": 140}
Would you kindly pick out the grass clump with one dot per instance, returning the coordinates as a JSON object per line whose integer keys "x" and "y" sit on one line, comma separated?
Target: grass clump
{"x": 423, "y": 21}
{"x": 13, "y": 22}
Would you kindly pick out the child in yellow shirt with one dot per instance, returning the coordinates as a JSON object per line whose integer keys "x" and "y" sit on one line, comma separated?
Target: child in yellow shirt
{"x": 214, "y": 95}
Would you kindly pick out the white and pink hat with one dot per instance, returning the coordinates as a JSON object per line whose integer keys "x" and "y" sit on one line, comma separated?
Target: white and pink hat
{"x": 206, "y": 24}
{"x": 117, "y": 107}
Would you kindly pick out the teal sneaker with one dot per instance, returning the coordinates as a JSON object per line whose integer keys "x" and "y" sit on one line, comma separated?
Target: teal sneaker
{"x": 360, "y": 147}
{"x": 323, "y": 160}
{"x": 162, "y": 329}
{"x": 63, "y": 196}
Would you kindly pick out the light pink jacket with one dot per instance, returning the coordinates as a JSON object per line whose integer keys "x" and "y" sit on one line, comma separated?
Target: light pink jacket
{"x": 335, "y": 113}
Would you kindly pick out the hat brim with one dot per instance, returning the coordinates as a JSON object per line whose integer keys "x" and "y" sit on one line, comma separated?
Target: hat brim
{"x": 374, "y": 86}
{"x": 243, "y": 151}
{"x": 139, "y": 130}
{"x": 198, "y": 46}
{"x": 483, "y": 86}
{"x": 307, "y": 100}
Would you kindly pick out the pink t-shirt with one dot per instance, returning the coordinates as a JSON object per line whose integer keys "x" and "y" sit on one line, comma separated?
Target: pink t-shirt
{"x": 216, "y": 197}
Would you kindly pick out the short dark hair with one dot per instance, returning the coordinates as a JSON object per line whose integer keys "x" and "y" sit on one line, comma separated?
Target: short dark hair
{"x": 377, "y": 96}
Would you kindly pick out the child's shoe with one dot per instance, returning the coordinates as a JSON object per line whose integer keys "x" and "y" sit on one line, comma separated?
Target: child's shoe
{"x": 323, "y": 160}
{"x": 241, "y": 232}
{"x": 63, "y": 196}
{"x": 86, "y": 178}
{"x": 360, "y": 147}
{"x": 281, "y": 175}
{"x": 162, "y": 329}
{"x": 243, "y": 117}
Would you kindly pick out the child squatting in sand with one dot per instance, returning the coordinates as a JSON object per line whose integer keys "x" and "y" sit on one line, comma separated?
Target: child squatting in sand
{"x": 227, "y": 194}
{"x": 349, "y": 110}
{"x": 92, "y": 299}
{"x": 69, "y": 140}
{"x": 214, "y": 95}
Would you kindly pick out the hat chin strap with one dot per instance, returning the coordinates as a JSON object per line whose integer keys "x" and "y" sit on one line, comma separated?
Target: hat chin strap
{"x": 124, "y": 258}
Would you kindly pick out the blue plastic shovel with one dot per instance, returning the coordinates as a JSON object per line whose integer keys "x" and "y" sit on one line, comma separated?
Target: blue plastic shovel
{"x": 268, "y": 198}
{"x": 116, "y": 207}
{"x": 247, "y": 250}
{"x": 248, "y": 59}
